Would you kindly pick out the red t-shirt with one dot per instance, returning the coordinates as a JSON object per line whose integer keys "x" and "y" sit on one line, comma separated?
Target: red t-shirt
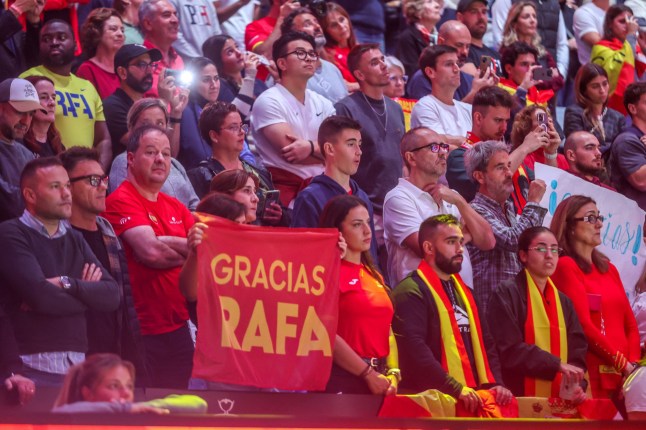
{"x": 258, "y": 31}
{"x": 160, "y": 306}
{"x": 600, "y": 297}
{"x": 538, "y": 156}
{"x": 365, "y": 311}
{"x": 340, "y": 56}
{"x": 105, "y": 83}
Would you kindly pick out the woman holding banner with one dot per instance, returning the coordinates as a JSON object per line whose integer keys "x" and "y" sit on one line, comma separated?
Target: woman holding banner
{"x": 365, "y": 355}
{"x": 538, "y": 335}
{"x": 593, "y": 284}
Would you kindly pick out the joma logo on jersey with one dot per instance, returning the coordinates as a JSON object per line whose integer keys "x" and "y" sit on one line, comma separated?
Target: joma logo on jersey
{"x": 73, "y": 103}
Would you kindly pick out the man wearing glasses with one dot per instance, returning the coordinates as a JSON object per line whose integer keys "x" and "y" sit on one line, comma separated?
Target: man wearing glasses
{"x": 420, "y": 196}
{"x": 134, "y": 65}
{"x": 285, "y": 119}
{"x": 116, "y": 331}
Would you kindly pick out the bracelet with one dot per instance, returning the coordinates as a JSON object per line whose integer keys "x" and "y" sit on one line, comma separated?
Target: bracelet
{"x": 365, "y": 371}
{"x": 175, "y": 120}
{"x": 549, "y": 156}
{"x": 311, "y": 148}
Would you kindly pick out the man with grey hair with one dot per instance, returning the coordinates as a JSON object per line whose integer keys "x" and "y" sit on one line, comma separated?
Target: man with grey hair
{"x": 489, "y": 165}
{"x": 159, "y": 24}
{"x": 421, "y": 195}
{"x": 327, "y": 80}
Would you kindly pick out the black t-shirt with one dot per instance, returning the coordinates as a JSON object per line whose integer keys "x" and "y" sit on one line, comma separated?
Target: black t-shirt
{"x": 476, "y": 53}
{"x": 115, "y": 109}
{"x": 462, "y": 319}
{"x": 102, "y": 327}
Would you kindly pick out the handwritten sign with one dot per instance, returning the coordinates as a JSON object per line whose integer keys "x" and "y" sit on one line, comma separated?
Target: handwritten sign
{"x": 622, "y": 232}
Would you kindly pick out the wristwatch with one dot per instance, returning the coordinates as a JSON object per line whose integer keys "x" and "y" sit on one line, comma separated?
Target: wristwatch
{"x": 66, "y": 282}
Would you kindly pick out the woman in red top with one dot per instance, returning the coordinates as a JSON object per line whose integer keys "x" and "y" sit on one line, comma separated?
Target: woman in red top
{"x": 593, "y": 284}
{"x": 340, "y": 40}
{"x": 365, "y": 357}
{"x": 101, "y": 37}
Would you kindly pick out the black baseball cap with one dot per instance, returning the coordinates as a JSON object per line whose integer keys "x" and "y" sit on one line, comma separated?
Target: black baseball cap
{"x": 464, "y": 5}
{"x": 128, "y": 52}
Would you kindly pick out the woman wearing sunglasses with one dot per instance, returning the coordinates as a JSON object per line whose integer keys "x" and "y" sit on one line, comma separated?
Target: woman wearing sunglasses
{"x": 539, "y": 339}
{"x": 593, "y": 284}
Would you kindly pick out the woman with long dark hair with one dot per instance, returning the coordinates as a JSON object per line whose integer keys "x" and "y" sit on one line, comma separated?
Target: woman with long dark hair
{"x": 591, "y": 112}
{"x": 340, "y": 38}
{"x": 537, "y": 333}
{"x": 43, "y": 138}
{"x": 617, "y": 52}
{"x": 364, "y": 361}
{"x": 238, "y": 83}
{"x": 593, "y": 284}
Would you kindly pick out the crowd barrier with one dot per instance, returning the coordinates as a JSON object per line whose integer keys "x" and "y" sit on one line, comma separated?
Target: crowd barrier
{"x": 322, "y": 411}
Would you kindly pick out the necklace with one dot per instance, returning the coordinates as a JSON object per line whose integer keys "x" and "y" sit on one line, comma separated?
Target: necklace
{"x": 377, "y": 114}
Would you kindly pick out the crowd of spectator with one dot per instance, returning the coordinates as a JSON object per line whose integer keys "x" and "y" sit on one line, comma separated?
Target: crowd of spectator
{"x": 412, "y": 127}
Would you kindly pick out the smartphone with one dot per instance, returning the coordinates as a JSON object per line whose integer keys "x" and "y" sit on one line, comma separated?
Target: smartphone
{"x": 542, "y": 74}
{"x": 566, "y": 391}
{"x": 263, "y": 60}
{"x": 541, "y": 117}
{"x": 183, "y": 78}
{"x": 642, "y": 24}
{"x": 271, "y": 196}
{"x": 485, "y": 63}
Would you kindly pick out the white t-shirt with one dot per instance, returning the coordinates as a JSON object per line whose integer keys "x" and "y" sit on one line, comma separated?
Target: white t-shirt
{"x": 405, "y": 208}
{"x": 442, "y": 118}
{"x": 277, "y": 105}
{"x": 587, "y": 19}
{"x": 198, "y": 21}
{"x": 235, "y": 25}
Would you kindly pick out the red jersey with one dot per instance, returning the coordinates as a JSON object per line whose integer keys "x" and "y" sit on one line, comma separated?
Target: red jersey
{"x": 258, "y": 31}
{"x": 160, "y": 306}
{"x": 106, "y": 83}
{"x": 365, "y": 311}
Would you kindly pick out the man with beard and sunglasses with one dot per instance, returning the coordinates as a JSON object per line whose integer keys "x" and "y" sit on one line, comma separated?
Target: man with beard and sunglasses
{"x": 489, "y": 164}
{"x": 79, "y": 109}
{"x": 440, "y": 340}
{"x": 134, "y": 65}
{"x": 420, "y": 195}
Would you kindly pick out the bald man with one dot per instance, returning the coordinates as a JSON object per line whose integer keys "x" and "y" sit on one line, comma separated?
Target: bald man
{"x": 583, "y": 154}
{"x": 455, "y": 34}
{"x": 419, "y": 196}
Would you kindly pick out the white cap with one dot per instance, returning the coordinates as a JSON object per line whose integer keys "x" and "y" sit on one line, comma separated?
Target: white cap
{"x": 20, "y": 94}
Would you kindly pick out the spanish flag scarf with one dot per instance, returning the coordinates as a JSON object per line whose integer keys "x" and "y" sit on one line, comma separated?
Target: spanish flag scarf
{"x": 534, "y": 95}
{"x": 455, "y": 359}
{"x": 545, "y": 328}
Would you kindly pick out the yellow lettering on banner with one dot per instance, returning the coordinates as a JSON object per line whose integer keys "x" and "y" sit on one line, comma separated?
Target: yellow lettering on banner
{"x": 257, "y": 334}
{"x": 283, "y": 328}
{"x": 316, "y": 276}
{"x": 240, "y": 272}
{"x": 226, "y": 269}
{"x": 278, "y": 286}
{"x": 314, "y": 337}
{"x": 260, "y": 277}
{"x": 230, "y": 320}
{"x": 290, "y": 267}
{"x": 301, "y": 280}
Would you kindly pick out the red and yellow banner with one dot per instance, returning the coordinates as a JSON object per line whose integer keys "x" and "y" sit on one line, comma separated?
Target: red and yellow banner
{"x": 267, "y": 305}
{"x": 407, "y": 107}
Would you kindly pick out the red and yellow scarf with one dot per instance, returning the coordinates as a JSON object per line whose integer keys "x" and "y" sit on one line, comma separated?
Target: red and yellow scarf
{"x": 545, "y": 328}
{"x": 534, "y": 95}
{"x": 455, "y": 359}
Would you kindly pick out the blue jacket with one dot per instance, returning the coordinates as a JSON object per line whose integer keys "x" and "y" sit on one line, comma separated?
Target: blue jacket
{"x": 309, "y": 204}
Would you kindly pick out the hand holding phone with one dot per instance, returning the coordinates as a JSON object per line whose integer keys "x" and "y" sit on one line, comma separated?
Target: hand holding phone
{"x": 542, "y": 74}
{"x": 485, "y": 63}
{"x": 271, "y": 196}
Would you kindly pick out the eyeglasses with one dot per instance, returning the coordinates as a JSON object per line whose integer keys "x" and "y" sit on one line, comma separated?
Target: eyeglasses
{"x": 434, "y": 146}
{"x": 237, "y": 128}
{"x": 394, "y": 78}
{"x": 302, "y": 54}
{"x": 592, "y": 219}
{"x": 554, "y": 250}
{"x": 143, "y": 66}
{"x": 94, "y": 180}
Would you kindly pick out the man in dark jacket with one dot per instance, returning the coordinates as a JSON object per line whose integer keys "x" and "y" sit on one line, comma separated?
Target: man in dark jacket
{"x": 340, "y": 141}
{"x": 18, "y": 48}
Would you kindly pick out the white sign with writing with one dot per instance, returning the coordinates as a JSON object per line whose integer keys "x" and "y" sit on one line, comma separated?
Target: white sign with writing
{"x": 622, "y": 232}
